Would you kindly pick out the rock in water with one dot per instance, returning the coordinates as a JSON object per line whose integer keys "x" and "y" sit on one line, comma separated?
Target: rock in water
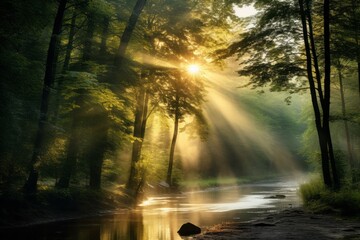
{"x": 188, "y": 229}
{"x": 277, "y": 196}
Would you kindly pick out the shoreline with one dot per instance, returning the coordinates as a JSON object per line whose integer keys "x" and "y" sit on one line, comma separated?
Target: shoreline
{"x": 19, "y": 212}
{"x": 294, "y": 223}
{"x": 51, "y": 218}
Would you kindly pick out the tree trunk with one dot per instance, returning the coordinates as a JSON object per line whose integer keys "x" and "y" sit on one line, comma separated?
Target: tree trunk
{"x": 173, "y": 143}
{"x": 69, "y": 48}
{"x": 69, "y": 164}
{"x": 70, "y": 44}
{"x": 327, "y": 93}
{"x": 138, "y": 134}
{"x": 314, "y": 53}
{"x": 145, "y": 114}
{"x": 88, "y": 43}
{"x": 125, "y": 38}
{"x": 98, "y": 147}
{"x": 50, "y": 70}
{"x": 346, "y": 126}
{"x": 358, "y": 68}
{"x": 104, "y": 36}
{"x": 354, "y": 4}
{"x": 323, "y": 145}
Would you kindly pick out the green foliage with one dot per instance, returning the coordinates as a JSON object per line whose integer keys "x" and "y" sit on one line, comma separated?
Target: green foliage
{"x": 174, "y": 33}
{"x": 94, "y": 95}
{"x": 312, "y": 191}
{"x": 268, "y": 52}
{"x": 318, "y": 198}
{"x": 61, "y": 199}
{"x": 54, "y": 156}
{"x": 24, "y": 33}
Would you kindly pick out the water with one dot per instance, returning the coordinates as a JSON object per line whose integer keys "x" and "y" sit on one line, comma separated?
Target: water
{"x": 160, "y": 217}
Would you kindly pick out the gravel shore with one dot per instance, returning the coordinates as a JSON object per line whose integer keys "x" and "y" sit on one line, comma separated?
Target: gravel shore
{"x": 289, "y": 224}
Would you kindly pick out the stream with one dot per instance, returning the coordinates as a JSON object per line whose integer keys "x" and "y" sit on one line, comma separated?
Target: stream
{"x": 160, "y": 217}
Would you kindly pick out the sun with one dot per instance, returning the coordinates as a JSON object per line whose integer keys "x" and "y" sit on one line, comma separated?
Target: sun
{"x": 193, "y": 68}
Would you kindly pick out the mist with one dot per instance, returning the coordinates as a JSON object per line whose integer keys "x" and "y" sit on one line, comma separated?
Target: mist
{"x": 251, "y": 132}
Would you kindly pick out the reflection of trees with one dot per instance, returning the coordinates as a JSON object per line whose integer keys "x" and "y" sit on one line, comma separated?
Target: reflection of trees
{"x": 132, "y": 229}
{"x": 127, "y": 226}
{"x": 91, "y": 233}
{"x": 135, "y": 226}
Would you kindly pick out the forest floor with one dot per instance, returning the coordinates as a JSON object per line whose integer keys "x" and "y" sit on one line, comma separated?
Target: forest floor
{"x": 293, "y": 223}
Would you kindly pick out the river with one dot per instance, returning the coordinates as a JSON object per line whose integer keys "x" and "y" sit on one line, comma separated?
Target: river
{"x": 160, "y": 217}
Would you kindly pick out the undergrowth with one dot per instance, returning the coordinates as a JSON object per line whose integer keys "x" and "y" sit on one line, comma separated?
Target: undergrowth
{"x": 316, "y": 197}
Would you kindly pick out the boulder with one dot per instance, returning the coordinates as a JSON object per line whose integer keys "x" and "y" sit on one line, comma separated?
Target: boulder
{"x": 188, "y": 229}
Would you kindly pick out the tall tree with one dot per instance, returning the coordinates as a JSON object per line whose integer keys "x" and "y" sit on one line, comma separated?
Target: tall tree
{"x": 345, "y": 48}
{"x": 278, "y": 31}
{"x": 141, "y": 115}
{"x": 305, "y": 20}
{"x": 339, "y": 69}
{"x": 74, "y": 143}
{"x": 183, "y": 96}
{"x": 50, "y": 69}
{"x": 126, "y": 35}
{"x": 24, "y": 41}
{"x": 327, "y": 92}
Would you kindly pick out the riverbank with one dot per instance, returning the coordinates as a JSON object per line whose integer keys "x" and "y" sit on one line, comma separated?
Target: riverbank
{"x": 294, "y": 223}
{"x": 55, "y": 205}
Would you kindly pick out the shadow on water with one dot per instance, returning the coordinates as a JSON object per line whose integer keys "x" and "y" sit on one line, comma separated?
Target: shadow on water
{"x": 160, "y": 217}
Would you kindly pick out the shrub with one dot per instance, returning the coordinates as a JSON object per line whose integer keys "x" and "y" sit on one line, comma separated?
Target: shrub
{"x": 318, "y": 198}
{"x": 61, "y": 199}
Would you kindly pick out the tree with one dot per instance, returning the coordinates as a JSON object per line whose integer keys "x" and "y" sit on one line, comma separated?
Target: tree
{"x": 183, "y": 96}
{"x": 345, "y": 49}
{"x": 31, "y": 183}
{"x": 339, "y": 69}
{"x": 74, "y": 142}
{"x": 126, "y": 36}
{"x": 141, "y": 116}
{"x": 278, "y": 31}
{"x": 92, "y": 123}
{"x": 322, "y": 122}
{"x": 327, "y": 92}
{"x": 24, "y": 40}
{"x": 154, "y": 26}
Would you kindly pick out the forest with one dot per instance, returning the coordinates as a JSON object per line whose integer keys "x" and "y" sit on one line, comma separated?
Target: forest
{"x": 128, "y": 96}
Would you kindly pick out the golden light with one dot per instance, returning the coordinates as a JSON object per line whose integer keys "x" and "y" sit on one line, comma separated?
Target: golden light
{"x": 193, "y": 68}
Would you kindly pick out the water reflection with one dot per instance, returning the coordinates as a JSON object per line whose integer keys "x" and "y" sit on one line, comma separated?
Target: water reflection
{"x": 160, "y": 217}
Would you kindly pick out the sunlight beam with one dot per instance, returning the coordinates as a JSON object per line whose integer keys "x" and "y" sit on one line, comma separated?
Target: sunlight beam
{"x": 193, "y": 68}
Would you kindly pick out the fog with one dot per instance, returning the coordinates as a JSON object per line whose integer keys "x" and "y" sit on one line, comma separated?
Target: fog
{"x": 249, "y": 132}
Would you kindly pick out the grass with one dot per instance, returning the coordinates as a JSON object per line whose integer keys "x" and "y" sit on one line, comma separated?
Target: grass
{"x": 318, "y": 198}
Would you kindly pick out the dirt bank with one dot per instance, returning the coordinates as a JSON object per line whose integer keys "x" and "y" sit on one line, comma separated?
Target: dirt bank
{"x": 289, "y": 224}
